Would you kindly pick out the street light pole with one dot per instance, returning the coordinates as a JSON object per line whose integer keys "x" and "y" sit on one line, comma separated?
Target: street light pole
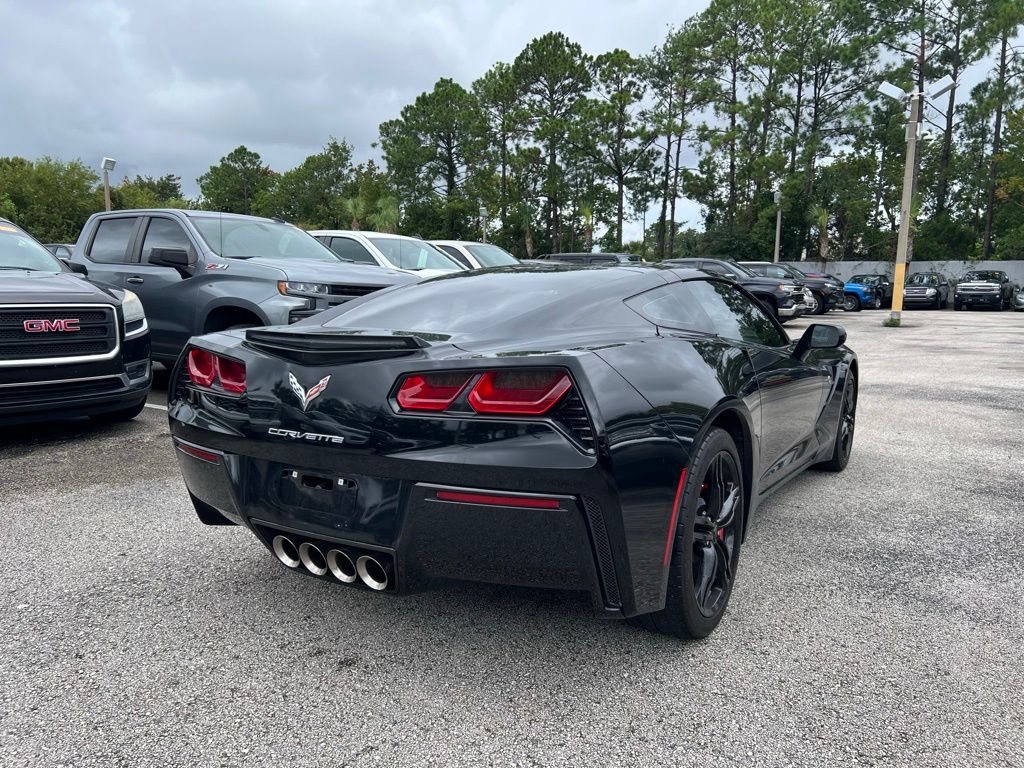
{"x": 778, "y": 224}
{"x": 107, "y": 165}
{"x": 483, "y": 222}
{"x": 904, "y": 246}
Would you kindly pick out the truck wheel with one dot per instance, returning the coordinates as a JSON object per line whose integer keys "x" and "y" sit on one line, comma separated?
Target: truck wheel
{"x": 957, "y": 306}
{"x": 876, "y": 303}
{"x": 851, "y": 303}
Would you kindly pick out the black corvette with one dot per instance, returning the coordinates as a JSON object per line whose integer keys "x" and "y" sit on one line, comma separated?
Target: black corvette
{"x": 608, "y": 430}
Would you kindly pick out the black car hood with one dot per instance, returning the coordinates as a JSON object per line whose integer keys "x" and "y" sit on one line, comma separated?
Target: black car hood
{"x": 18, "y": 287}
{"x": 767, "y": 282}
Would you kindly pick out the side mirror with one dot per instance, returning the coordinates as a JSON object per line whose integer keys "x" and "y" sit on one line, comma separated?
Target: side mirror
{"x": 78, "y": 269}
{"x": 176, "y": 258}
{"x": 820, "y": 336}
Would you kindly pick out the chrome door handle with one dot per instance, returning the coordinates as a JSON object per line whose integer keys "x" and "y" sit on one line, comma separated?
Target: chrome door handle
{"x": 135, "y": 279}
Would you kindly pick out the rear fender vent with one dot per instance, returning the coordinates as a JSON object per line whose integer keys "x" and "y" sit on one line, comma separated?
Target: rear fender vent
{"x": 330, "y": 347}
{"x": 572, "y": 416}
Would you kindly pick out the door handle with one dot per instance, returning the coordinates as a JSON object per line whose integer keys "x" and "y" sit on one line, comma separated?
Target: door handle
{"x": 135, "y": 280}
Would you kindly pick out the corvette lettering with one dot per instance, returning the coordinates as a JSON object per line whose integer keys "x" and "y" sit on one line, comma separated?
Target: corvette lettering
{"x": 58, "y": 325}
{"x": 313, "y": 437}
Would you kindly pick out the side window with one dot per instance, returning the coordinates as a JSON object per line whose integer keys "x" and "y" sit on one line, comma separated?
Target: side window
{"x": 456, "y": 254}
{"x": 163, "y": 233}
{"x": 672, "y": 306}
{"x": 110, "y": 243}
{"x": 715, "y": 269}
{"x": 603, "y": 260}
{"x": 348, "y": 248}
{"x": 734, "y": 315}
{"x": 774, "y": 271}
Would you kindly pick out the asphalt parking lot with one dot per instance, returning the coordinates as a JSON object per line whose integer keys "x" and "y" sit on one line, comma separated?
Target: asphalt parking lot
{"x": 878, "y": 617}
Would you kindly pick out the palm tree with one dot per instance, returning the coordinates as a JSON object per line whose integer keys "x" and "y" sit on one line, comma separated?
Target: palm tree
{"x": 819, "y": 218}
{"x": 354, "y": 208}
{"x": 385, "y": 218}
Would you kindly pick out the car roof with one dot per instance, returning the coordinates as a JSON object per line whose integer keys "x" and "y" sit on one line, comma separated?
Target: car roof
{"x": 365, "y": 233}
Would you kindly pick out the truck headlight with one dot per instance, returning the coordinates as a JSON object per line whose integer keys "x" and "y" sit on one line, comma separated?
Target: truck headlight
{"x": 302, "y": 289}
{"x": 134, "y": 314}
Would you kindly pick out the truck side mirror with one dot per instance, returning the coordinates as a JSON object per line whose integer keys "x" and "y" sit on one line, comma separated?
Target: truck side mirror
{"x": 175, "y": 258}
{"x": 75, "y": 267}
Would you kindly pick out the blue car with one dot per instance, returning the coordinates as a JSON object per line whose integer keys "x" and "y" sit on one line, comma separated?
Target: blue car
{"x": 870, "y": 291}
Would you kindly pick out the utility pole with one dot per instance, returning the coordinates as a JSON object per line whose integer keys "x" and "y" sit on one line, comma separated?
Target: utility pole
{"x": 483, "y": 222}
{"x": 778, "y": 224}
{"x": 903, "y": 242}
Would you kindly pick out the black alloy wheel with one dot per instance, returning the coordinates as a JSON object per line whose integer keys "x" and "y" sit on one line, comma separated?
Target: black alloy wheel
{"x": 706, "y": 542}
{"x": 715, "y": 534}
{"x": 876, "y": 303}
{"x": 851, "y": 303}
{"x": 844, "y": 429}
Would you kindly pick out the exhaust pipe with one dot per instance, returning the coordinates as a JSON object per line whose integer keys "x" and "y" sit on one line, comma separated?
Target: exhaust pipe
{"x": 313, "y": 559}
{"x": 341, "y": 566}
{"x": 286, "y": 551}
{"x": 373, "y": 574}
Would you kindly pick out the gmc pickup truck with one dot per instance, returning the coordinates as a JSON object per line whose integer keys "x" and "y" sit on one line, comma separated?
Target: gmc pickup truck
{"x": 198, "y": 272}
{"x": 67, "y": 347}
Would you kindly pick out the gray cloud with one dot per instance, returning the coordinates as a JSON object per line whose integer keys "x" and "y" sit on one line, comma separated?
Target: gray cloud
{"x": 171, "y": 87}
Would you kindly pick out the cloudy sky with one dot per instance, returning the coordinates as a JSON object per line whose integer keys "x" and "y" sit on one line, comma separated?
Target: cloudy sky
{"x": 170, "y": 87}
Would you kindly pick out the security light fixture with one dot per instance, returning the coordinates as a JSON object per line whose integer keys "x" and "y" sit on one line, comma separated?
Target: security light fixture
{"x": 892, "y": 91}
{"x": 108, "y": 163}
{"x": 941, "y": 86}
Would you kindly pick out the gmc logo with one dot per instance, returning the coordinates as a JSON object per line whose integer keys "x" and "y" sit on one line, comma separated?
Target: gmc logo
{"x": 68, "y": 325}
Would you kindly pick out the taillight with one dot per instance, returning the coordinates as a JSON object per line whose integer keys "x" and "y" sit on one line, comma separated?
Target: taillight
{"x": 431, "y": 391}
{"x": 527, "y": 393}
{"x": 205, "y": 369}
{"x": 202, "y": 367}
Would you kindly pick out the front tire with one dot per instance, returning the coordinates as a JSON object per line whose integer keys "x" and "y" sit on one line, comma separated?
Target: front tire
{"x": 851, "y": 303}
{"x": 821, "y": 307}
{"x": 876, "y": 303}
{"x": 706, "y": 542}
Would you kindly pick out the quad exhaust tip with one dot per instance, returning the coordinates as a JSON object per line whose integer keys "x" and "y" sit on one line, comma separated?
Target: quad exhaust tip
{"x": 286, "y": 551}
{"x": 341, "y": 566}
{"x": 373, "y": 574}
{"x": 313, "y": 558}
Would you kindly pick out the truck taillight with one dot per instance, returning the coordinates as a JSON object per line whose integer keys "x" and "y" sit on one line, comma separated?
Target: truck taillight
{"x": 211, "y": 371}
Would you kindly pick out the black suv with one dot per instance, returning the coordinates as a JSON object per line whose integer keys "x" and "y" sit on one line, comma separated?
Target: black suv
{"x": 983, "y": 288}
{"x": 782, "y": 296}
{"x": 825, "y": 292}
{"x": 67, "y": 347}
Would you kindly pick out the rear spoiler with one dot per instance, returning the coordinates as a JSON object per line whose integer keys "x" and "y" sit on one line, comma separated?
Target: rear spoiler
{"x": 328, "y": 346}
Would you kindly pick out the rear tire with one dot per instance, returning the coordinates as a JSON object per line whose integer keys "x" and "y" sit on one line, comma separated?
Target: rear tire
{"x": 706, "y": 542}
{"x": 844, "y": 429}
{"x": 115, "y": 417}
{"x": 851, "y": 303}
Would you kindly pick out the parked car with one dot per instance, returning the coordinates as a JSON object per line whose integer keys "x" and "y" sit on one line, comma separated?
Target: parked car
{"x": 476, "y": 255}
{"x": 610, "y": 431}
{"x": 828, "y": 277}
{"x": 872, "y": 291}
{"x": 783, "y": 297}
{"x": 202, "y": 271}
{"x": 983, "y": 288}
{"x": 1018, "y": 301}
{"x": 926, "y": 289}
{"x": 408, "y": 254}
{"x": 68, "y": 348}
{"x": 825, "y": 292}
{"x": 60, "y": 250}
{"x": 591, "y": 258}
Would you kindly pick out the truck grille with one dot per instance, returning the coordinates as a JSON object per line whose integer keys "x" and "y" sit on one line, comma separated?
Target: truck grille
{"x": 96, "y": 333}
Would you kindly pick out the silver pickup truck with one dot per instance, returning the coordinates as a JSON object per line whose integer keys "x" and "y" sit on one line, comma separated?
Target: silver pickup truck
{"x": 198, "y": 272}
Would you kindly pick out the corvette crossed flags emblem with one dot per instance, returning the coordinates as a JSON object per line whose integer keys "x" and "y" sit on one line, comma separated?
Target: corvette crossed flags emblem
{"x": 307, "y": 396}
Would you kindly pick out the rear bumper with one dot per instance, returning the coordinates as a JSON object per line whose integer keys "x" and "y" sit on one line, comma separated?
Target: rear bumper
{"x": 327, "y": 498}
